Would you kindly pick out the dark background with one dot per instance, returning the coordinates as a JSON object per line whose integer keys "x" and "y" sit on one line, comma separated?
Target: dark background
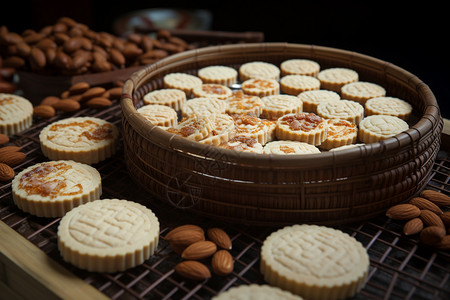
{"x": 411, "y": 36}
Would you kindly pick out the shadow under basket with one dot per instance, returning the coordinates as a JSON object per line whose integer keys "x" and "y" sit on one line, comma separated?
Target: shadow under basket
{"x": 327, "y": 188}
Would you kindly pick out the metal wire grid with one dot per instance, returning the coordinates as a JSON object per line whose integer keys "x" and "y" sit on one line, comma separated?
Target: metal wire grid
{"x": 401, "y": 268}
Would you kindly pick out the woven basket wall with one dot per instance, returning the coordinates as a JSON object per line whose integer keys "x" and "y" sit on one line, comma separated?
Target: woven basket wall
{"x": 328, "y": 188}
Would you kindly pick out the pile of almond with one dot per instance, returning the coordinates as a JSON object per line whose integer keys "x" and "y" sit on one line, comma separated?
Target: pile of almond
{"x": 79, "y": 95}
{"x": 72, "y": 48}
{"x": 199, "y": 249}
{"x": 425, "y": 215}
{"x": 10, "y": 156}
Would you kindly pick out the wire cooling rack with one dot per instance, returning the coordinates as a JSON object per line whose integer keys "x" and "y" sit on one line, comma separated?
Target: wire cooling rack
{"x": 400, "y": 267}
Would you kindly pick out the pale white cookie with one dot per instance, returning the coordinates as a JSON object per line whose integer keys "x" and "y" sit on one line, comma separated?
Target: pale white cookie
{"x": 16, "y": 114}
{"x": 159, "y": 115}
{"x": 289, "y": 148}
{"x": 240, "y": 103}
{"x": 243, "y": 144}
{"x": 298, "y": 66}
{"x": 379, "y": 127}
{"x": 182, "y": 81}
{"x": 260, "y": 70}
{"x": 194, "y": 127}
{"x": 222, "y": 131}
{"x": 343, "y": 109}
{"x": 256, "y": 292}
{"x": 87, "y": 140}
{"x": 311, "y": 99}
{"x": 51, "y": 189}
{"x": 334, "y": 78}
{"x": 203, "y": 106}
{"x": 169, "y": 97}
{"x": 260, "y": 87}
{"x": 315, "y": 262}
{"x": 108, "y": 235}
{"x": 361, "y": 91}
{"x": 391, "y": 106}
{"x": 275, "y": 106}
{"x": 295, "y": 84}
{"x": 250, "y": 126}
{"x": 212, "y": 90}
{"x": 339, "y": 133}
{"x": 218, "y": 74}
{"x": 302, "y": 127}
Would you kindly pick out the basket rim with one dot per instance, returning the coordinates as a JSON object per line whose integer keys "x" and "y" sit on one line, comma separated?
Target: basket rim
{"x": 430, "y": 119}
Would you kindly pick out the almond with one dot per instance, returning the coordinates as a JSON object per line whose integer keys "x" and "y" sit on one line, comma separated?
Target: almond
{"x": 98, "y": 102}
{"x": 404, "y": 211}
{"x": 92, "y": 92}
{"x": 67, "y": 105}
{"x": 423, "y": 203}
{"x": 12, "y": 159}
{"x": 445, "y": 217}
{"x": 185, "y": 238}
{"x": 192, "y": 269}
{"x": 219, "y": 237}
{"x": 444, "y": 244}
{"x": 114, "y": 93}
{"x": 436, "y": 197}
{"x": 222, "y": 263}
{"x": 79, "y": 87}
{"x": 50, "y": 100}
{"x": 413, "y": 226}
{"x": 199, "y": 250}
{"x": 7, "y": 149}
{"x": 429, "y": 218}
{"x": 44, "y": 111}
{"x": 6, "y": 172}
{"x": 4, "y": 139}
{"x": 182, "y": 228}
{"x": 432, "y": 235}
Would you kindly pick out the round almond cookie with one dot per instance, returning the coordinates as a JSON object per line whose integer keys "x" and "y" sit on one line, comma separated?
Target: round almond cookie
{"x": 339, "y": 133}
{"x": 218, "y": 74}
{"x": 275, "y": 106}
{"x": 212, "y": 90}
{"x": 182, "y": 81}
{"x": 261, "y": 87}
{"x": 108, "y": 235}
{"x": 222, "y": 131}
{"x": 334, "y": 78}
{"x": 16, "y": 114}
{"x": 391, "y": 106}
{"x": 361, "y": 91}
{"x": 303, "y": 127}
{"x": 255, "y": 291}
{"x": 51, "y": 189}
{"x": 87, "y": 140}
{"x": 170, "y": 97}
{"x": 311, "y": 99}
{"x": 259, "y": 70}
{"x": 343, "y": 109}
{"x": 194, "y": 127}
{"x": 314, "y": 262}
{"x": 159, "y": 115}
{"x": 379, "y": 127}
{"x": 250, "y": 126}
{"x": 299, "y": 66}
{"x": 203, "y": 106}
{"x": 295, "y": 84}
{"x": 289, "y": 148}
{"x": 243, "y": 144}
{"x": 240, "y": 103}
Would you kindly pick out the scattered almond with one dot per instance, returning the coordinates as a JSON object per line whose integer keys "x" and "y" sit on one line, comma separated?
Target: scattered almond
{"x": 79, "y": 87}
{"x": 429, "y": 218}
{"x": 7, "y": 149}
{"x": 99, "y": 102}
{"x": 44, "y": 111}
{"x": 222, "y": 263}
{"x": 413, "y": 226}
{"x": 185, "y": 238}
{"x": 12, "y": 159}
{"x": 6, "y": 172}
{"x": 50, "y": 100}
{"x": 432, "y": 235}
{"x": 404, "y": 211}
{"x": 182, "y": 228}
{"x": 67, "y": 105}
{"x": 445, "y": 217}
{"x": 192, "y": 269}
{"x": 423, "y": 203}
{"x": 220, "y": 237}
{"x": 199, "y": 250}
{"x": 436, "y": 197}
{"x": 4, "y": 139}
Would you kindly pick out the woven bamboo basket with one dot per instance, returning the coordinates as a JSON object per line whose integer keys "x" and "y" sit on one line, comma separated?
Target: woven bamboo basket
{"x": 327, "y": 188}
